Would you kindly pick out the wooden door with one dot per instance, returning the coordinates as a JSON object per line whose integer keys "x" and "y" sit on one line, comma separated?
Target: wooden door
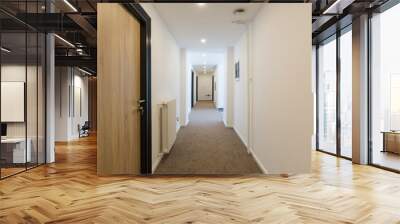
{"x": 205, "y": 87}
{"x": 118, "y": 90}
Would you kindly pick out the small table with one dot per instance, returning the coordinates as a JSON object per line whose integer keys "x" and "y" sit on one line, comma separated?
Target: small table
{"x": 391, "y": 141}
{"x": 15, "y": 148}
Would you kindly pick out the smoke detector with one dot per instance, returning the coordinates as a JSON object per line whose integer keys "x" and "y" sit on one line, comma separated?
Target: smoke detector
{"x": 238, "y": 13}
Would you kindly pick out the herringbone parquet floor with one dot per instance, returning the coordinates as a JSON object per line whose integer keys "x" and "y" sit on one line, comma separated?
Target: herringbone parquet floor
{"x": 70, "y": 192}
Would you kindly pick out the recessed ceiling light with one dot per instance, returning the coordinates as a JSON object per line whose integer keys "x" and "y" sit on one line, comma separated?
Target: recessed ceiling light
{"x": 203, "y": 40}
{"x": 201, "y": 4}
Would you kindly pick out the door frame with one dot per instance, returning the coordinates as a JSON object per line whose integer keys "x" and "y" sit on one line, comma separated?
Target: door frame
{"x": 192, "y": 98}
{"x": 197, "y": 88}
{"x": 212, "y": 88}
{"x": 145, "y": 85}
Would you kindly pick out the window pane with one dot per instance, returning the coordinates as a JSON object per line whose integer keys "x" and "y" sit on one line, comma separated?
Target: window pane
{"x": 327, "y": 97}
{"x": 346, "y": 94}
{"x": 386, "y": 89}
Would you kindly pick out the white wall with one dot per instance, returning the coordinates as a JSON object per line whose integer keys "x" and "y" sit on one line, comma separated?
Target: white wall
{"x": 220, "y": 76}
{"x": 280, "y": 100}
{"x": 19, "y": 73}
{"x": 240, "y": 90}
{"x": 314, "y": 90}
{"x": 188, "y": 87}
{"x": 184, "y": 79}
{"x": 230, "y": 71}
{"x": 80, "y": 82}
{"x": 33, "y": 126}
{"x": 66, "y": 121}
{"x": 166, "y": 74}
{"x": 62, "y": 84}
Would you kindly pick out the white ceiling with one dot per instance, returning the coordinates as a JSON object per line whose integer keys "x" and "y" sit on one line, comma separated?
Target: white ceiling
{"x": 204, "y": 69}
{"x": 190, "y": 22}
{"x": 209, "y": 60}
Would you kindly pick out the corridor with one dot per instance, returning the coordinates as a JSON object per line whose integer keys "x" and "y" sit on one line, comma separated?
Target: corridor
{"x": 206, "y": 146}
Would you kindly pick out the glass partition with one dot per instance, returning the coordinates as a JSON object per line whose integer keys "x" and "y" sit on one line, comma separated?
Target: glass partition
{"x": 327, "y": 96}
{"x": 41, "y": 97}
{"x": 31, "y": 99}
{"x": 385, "y": 89}
{"x": 13, "y": 109}
{"x": 22, "y": 77}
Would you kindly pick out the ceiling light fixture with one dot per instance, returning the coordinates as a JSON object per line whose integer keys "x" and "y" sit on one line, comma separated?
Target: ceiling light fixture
{"x": 335, "y": 4}
{"x": 79, "y": 51}
{"x": 201, "y": 4}
{"x": 65, "y": 41}
{"x": 84, "y": 71}
{"x": 70, "y": 5}
{"x": 5, "y": 50}
{"x": 203, "y": 40}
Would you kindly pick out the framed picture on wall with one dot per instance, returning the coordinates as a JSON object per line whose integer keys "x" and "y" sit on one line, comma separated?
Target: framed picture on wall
{"x": 237, "y": 71}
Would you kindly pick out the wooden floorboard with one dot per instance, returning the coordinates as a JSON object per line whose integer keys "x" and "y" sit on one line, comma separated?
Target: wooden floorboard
{"x": 70, "y": 192}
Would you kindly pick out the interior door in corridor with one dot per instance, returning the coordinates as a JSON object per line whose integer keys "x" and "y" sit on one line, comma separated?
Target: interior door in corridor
{"x": 118, "y": 92}
{"x": 205, "y": 87}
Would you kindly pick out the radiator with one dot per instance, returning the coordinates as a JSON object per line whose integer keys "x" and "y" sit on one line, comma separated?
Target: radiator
{"x": 168, "y": 125}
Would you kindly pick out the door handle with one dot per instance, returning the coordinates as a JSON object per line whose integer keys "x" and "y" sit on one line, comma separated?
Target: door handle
{"x": 140, "y": 106}
{"x": 141, "y": 110}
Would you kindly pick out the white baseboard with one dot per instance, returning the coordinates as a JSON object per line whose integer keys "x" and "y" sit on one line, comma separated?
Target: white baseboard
{"x": 240, "y": 136}
{"x": 157, "y": 162}
{"x": 187, "y": 122}
{"x": 226, "y": 125}
{"x": 260, "y": 165}
{"x": 250, "y": 151}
